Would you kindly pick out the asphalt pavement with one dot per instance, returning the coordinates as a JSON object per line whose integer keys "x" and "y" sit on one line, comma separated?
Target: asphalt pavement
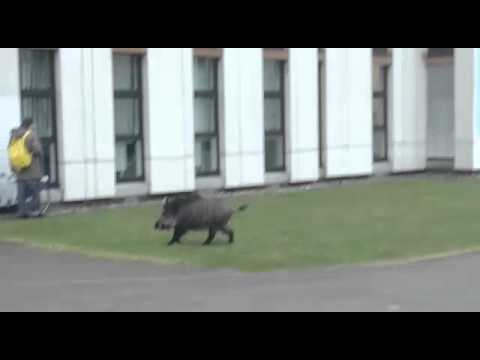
{"x": 33, "y": 280}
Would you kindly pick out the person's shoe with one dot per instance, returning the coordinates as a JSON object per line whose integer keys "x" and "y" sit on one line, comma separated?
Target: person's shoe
{"x": 41, "y": 213}
{"x": 44, "y": 210}
{"x": 36, "y": 214}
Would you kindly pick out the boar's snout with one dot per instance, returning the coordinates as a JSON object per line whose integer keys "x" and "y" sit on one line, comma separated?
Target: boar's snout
{"x": 164, "y": 224}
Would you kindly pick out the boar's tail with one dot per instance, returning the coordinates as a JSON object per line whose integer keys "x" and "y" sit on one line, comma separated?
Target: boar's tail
{"x": 242, "y": 208}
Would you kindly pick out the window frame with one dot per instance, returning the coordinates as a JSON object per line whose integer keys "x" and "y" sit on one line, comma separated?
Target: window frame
{"x": 51, "y": 93}
{"x": 214, "y": 55}
{"x": 135, "y": 95}
{"x": 281, "y": 56}
{"x": 385, "y": 63}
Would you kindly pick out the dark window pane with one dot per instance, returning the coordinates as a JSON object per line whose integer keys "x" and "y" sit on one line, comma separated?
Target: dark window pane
{"x": 126, "y": 72}
{"x": 129, "y": 161}
{"x": 380, "y": 144}
{"x": 273, "y": 114}
{"x": 49, "y": 161}
{"x": 205, "y": 115}
{"x": 41, "y": 110}
{"x": 36, "y": 70}
{"x": 204, "y": 74}
{"x": 378, "y": 78}
{"x": 379, "y": 119}
{"x": 274, "y": 152}
{"x": 127, "y": 116}
{"x": 273, "y": 76}
{"x": 206, "y": 155}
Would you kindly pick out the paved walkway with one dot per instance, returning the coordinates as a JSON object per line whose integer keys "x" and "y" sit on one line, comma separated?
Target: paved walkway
{"x": 34, "y": 280}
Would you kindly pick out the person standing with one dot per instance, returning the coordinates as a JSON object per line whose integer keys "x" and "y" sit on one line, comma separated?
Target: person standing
{"x": 25, "y": 153}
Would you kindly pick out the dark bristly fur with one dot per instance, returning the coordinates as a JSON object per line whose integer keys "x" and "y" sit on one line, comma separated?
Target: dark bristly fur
{"x": 194, "y": 212}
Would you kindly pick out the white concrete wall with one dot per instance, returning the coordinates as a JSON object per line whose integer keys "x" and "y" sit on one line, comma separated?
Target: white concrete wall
{"x": 476, "y": 110}
{"x": 348, "y": 112}
{"x": 243, "y": 114}
{"x": 10, "y": 116}
{"x": 86, "y": 123}
{"x": 303, "y": 115}
{"x": 408, "y": 133}
{"x": 104, "y": 122}
{"x": 467, "y": 111}
{"x": 9, "y": 100}
{"x": 170, "y": 131}
{"x": 71, "y": 124}
{"x": 86, "y": 116}
{"x": 441, "y": 112}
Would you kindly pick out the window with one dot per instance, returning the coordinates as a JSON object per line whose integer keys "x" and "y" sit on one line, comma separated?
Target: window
{"x": 128, "y": 118}
{"x": 381, "y": 66}
{"x": 207, "y": 160}
{"x": 274, "y": 98}
{"x": 37, "y": 83}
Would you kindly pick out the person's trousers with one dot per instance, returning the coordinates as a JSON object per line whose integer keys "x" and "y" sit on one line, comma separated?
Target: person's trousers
{"x": 28, "y": 197}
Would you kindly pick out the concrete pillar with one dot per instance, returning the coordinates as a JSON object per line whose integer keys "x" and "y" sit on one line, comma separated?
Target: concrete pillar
{"x": 9, "y": 100}
{"x": 86, "y": 123}
{"x": 467, "y": 109}
{"x": 348, "y": 139}
{"x": 408, "y": 140}
{"x": 169, "y": 130}
{"x": 303, "y": 115}
{"x": 243, "y": 112}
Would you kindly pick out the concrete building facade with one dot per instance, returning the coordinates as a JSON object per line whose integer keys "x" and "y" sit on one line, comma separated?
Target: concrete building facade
{"x": 146, "y": 121}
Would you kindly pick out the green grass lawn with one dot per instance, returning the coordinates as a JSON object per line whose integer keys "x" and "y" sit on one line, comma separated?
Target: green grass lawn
{"x": 355, "y": 224}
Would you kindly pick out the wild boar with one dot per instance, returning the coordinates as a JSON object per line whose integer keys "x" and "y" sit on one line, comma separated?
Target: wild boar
{"x": 194, "y": 212}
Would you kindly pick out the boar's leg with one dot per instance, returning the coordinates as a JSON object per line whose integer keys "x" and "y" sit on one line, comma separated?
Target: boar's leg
{"x": 211, "y": 236}
{"x": 177, "y": 235}
{"x": 231, "y": 235}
